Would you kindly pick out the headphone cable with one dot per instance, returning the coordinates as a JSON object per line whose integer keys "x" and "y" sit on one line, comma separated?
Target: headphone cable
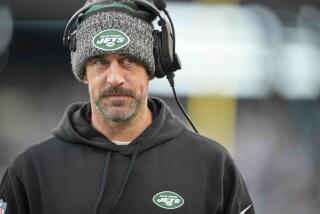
{"x": 170, "y": 78}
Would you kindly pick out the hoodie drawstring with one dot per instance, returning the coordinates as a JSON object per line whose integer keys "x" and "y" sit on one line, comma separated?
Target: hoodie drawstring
{"x": 103, "y": 182}
{"x": 105, "y": 177}
{"x": 124, "y": 184}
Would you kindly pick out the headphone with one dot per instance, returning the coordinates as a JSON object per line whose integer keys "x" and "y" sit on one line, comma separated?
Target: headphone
{"x": 166, "y": 59}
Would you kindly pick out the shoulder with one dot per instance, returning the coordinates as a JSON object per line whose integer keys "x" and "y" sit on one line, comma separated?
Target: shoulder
{"x": 38, "y": 154}
{"x": 202, "y": 142}
{"x": 44, "y": 147}
{"x": 202, "y": 146}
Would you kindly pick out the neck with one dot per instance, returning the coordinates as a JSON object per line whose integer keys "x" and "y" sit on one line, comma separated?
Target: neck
{"x": 122, "y": 131}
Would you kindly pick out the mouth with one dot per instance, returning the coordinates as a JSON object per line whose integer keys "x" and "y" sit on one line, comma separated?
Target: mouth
{"x": 118, "y": 95}
{"x": 117, "y": 101}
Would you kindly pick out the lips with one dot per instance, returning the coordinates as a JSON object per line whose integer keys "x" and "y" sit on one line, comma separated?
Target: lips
{"x": 118, "y": 95}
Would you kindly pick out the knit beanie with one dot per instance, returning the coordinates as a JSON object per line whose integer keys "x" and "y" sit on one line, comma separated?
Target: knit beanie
{"x": 114, "y": 29}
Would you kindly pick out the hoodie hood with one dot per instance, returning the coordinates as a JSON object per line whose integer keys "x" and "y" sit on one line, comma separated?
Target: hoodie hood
{"x": 75, "y": 127}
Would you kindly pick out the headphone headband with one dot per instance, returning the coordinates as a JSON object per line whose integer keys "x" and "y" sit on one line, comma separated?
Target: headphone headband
{"x": 127, "y": 6}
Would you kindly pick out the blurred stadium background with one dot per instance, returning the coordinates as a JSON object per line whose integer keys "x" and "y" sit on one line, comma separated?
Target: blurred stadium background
{"x": 250, "y": 80}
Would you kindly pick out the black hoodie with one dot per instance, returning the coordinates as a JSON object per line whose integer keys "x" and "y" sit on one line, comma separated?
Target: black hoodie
{"x": 167, "y": 169}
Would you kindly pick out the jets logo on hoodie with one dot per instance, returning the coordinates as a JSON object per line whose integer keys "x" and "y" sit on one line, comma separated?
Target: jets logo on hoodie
{"x": 168, "y": 200}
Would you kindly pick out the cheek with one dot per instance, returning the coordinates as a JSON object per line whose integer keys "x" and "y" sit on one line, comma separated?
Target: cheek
{"x": 93, "y": 92}
{"x": 94, "y": 84}
{"x": 144, "y": 89}
{"x": 90, "y": 89}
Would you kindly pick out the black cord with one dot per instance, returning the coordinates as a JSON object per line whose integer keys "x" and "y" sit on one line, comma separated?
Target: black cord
{"x": 170, "y": 78}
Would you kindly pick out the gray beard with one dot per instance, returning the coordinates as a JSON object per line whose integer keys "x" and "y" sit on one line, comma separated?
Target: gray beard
{"x": 108, "y": 115}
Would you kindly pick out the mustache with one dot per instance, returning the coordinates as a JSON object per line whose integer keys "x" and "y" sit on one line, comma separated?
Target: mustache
{"x": 117, "y": 91}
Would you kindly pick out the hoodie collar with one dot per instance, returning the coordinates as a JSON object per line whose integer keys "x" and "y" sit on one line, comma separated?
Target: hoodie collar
{"x": 75, "y": 127}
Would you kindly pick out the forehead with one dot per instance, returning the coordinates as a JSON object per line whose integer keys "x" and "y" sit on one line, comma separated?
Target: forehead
{"x": 114, "y": 56}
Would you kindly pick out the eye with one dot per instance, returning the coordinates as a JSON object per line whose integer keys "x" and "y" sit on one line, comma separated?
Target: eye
{"x": 100, "y": 61}
{"x": 128, "y": 61}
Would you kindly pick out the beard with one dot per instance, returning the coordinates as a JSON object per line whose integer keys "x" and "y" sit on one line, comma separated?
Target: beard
{"x": 118, "y": 110}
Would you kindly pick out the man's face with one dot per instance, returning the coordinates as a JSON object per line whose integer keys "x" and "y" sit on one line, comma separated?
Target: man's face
{"x": 117, "y": 85}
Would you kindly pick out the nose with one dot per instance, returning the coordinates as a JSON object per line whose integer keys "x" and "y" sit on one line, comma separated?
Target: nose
{"x": 115, "y": 74}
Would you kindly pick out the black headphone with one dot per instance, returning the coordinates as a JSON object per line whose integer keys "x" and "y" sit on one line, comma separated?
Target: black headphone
{"x": 166, "y": 59}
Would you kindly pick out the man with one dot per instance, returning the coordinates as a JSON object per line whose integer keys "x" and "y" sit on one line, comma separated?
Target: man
{"x": 123, "y": 152}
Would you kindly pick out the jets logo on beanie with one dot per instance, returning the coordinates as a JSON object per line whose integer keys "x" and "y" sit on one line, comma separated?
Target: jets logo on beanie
{"x": 113, "y": 28}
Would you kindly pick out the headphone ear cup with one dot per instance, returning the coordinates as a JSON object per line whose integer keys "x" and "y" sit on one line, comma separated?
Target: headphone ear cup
{"x": 159, "y": 72}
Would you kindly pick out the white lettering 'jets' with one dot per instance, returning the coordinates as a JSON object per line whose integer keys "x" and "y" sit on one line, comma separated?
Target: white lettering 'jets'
{"x": 246, "y": 209}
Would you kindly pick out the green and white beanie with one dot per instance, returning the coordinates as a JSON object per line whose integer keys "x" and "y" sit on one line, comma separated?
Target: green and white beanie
{"x": 115, "y": 30}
